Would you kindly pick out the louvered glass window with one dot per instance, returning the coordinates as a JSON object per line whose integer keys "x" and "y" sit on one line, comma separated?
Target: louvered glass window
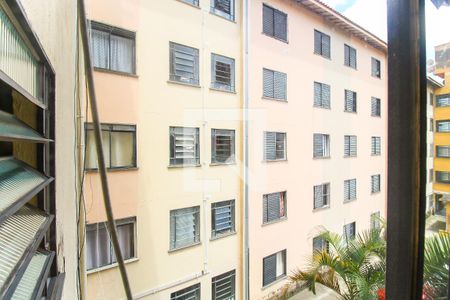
{"x": 274, "y": 207}
{"x": 350, "y": 56}
{"x": 376, "y": 145}
{"x": 322, "y": 44}
{"x": 443, "y": 151}
{"x": 224, "y": 286}
{"x": 443, "y": 126}
{"x": 375, "y": 183}
{"x": 223, "y": 8}
{"x": 274, "y": 23}
{"x": 113, "y": 48}
{"x": 274, "y": 267}
{"x": 375, "y": 110}
{"x": 321, "y": 95}
{"x": 222, "y": 73}
{"x": 320, "y": 245}
{"x": 442, "y": 177}
{"x": 321, "y": 195}
{"x": 222, "y": 218}
{"x": 443, "y": 100}
{"x": 350, "y": 101}
{"x": 274, "y": 146}
{"x": 99, "y": 248}
{"x": 274, "y": 84}
{"x": 184, "y": 146}
{"x": 375, "y": 222}
{"x": 119, "y": 146}
{"x": 376, "y": 68}
{"x": 184, "y": 64}
{"x": 349, "y": 189}
{"x": 222, "y": 146}
{"x": 184, "y": 227}
{"x": 350, "y": 145}
{"x": 321, "y": 145}
{"x": 189, "y": 293}
{"x": 350, "y": 231}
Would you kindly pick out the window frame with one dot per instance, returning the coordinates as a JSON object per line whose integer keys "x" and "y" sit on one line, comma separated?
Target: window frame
{"x": 375, "y": 189}
{"x": 325, "y": 245}
{"x": 172, "y": 232}
{"x": 327, "y": 196}
{"x": 326, "y": 146}
{"x": 274, "y": 74}
{"x": 348, "y": 141}
{"x": 377, "y": 71}
{"x": 176, "y": 78}
{"x": 265, "y": 214}
{"x": 375, "y": 149}
{"x": 446, "y": 123}
{"x": 218, "y": 281}
{"x": 283, "y": 253}
{"x": 442, "y": 147}
{"x": 197, "y": 155}
{"x": 352, "y": 226}
{"x": 227, "y": 203}
{"x": 324, "y": 103}
{"x": 440, "y": 174}
{"x": 228, "y": 16}
{"x": 375, "y": 102}
{"x": 354, "y": 103}
{"x": 277, "y": 133}
{"x": 224, "y": 60}
{"x": 274, "y": 10}
{"x": 322, "y": 35}
{"x": 441, "y": 97}
{"x": 195, "y": 288}
{"x": 214, "y": 134}
{"x": 348, "y": 197}
{"x": 349, "y": 50}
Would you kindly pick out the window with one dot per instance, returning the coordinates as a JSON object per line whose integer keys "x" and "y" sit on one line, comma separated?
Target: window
{"x": 184, "y": 146}
{"x": 119, "y": 146}
{"x": 223, "y": 8}
{"x": 113, "y": 48}
{"x": 443, "y": 126}
{"x": 375, "y": 220}
{"x": 443, "y": 151}
{"x": 350, "y": 231}
{"x": 320, "y": 244}
{"x": 376, "y": 145}
{"x": 350, "y": 56}
{"x": 349, "y": 189}
{"x": 189, "y": 293}
{"x": 222, "y": 146}
{"x": 274, "y": 267}
{"x": 376, "y": 107}
{"x": 184, "y": 65}
{"x": 99, "y": 248}
{"x": 375, "y": 187}
{"x": 350, "y": 145}
{"x": 321, "y": 147}
{"x": 443, "y": 100}
{"x": 376, "y": 67}
{"x": 222, "y": 70}
{"x": 274, "y": 146}
{"x": 192, "y": 2}
{"x": 274, "y": 207}
{"x": 322, "y": 44}
{"x": 430, "y": 175}
{"x": 431, "y": 150}
{"x": 184, "y": 227}
{"x": 222, "y": 218}
{"x": 431, "y": 125}
{"x": 442, "y": 177}
{"x": 350, "y": 101}
{"x": 431, "y": 99}
{"x": 274, "y": 84}
{"x": 274, "y": 23}
{"x": 321, "y": 195}
{"x": 224, "y": 286}
{"x": 321, "y": 95}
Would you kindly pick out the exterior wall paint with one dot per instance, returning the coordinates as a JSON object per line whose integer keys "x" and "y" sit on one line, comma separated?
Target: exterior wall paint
{"x": 299, "y": 119}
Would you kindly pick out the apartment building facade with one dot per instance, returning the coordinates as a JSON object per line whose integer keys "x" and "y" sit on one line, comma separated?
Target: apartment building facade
{"x": 169, "y": 92}
{"x": 317, "y": 134}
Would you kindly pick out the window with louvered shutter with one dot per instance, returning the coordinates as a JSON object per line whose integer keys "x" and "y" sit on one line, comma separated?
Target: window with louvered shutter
{"x": 274, "y": 145}
{"x": 376, "y": 68}
{"x": 222, "y": 73}
{"x": 190, "y": 293}
{"x": 376, "y": 145}
{"x": 222, "y": 146}
{"x": 184, "y": 146}
{"x": 350, "y": 145}
{"x": 443, "y": 126}
{"x": 350, "y": 231}
{"x": 274, "y": 267}
{"x": 274, "y": 84}
{"x": 320, "y": 244}
{"x": 184, "y": 227}
{"x": 443, "y": 100}
{"x": 321, "y": 195}
{"x": 274, "y": 207}
{"x": 274, "y": 23}
{"x": 350, "y": 101}
{"x": 350, "y": 56}
{"x": 443, "y": 151}
{"x": 223, "y": 8}
{"x": 375, "y": 183}
{"x": 349, "y": 189}
{"x": 442, "y": 177}
{"x": 321, "y": 145}
{"x": 113, "y": 48}
{"x": 224, "y": 286}
{"x": 222, "y": 218}
{"x": 322, "y": 44}
{"x": 321, "y": 95}
{"x": 375, "y": 220}
{"x": 375, "y": 109}
{"x": 184, "y": 64}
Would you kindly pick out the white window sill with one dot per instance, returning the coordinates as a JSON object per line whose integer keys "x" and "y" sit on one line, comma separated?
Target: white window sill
{"x": 220, "y": 236}
{"x": 322, "y": 157}
{"x": 184, "y": 83}
{"x": 222, "y": 164}
{"x": 184, "y": 247}
{"x": 114, "y": 265}
{"x": 223, "y": 90}
{"x": 274, "y": 99}
{"x": 275, "y": 160}
{"x": 184, "y": 166}
{"x": 349, "y": 200}
{"x": 325, "y": 207}
{"x": 281, "y": 278}
{"x": 274, "y": 221}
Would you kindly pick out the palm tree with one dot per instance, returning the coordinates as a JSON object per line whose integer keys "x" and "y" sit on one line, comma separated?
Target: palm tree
{"x": 353, "y": 269}
{"x": 436, "y": 266}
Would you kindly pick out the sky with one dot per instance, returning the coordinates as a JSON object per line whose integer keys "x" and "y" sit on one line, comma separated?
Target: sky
{"x": 371, "y": 14}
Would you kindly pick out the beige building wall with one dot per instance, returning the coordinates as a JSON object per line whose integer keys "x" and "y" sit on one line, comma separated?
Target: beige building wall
{"x": 153, "y": 189}
{"x": 300, "y": 120}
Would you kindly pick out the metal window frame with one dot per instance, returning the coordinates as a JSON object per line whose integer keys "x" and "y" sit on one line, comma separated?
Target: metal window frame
{"x": 229, "y": 16}
{"x": 195, "y": 81}
{"x": 322, "y": 35}
{"x": 214, "y": 134}
{"x": 227, "y": 203}
{"x": 225, "y": 60}
{"x": 265, "y": 200}
{"x": 173, "y": 159}
{"x": 219, "y": 279}
{"x": 377, "y": 72}
{"x": 350, "y": 51}
{"x": 284, "y": 253}
{"x": 275, "y": 10}
{"x": 180, "y": 294}
{"x": 197, "y": 224}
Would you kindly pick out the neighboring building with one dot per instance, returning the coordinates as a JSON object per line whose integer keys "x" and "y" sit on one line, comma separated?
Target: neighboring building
{"x": 38, "y": 149}
{"x": 168, "y": 82}
{"x": 317, "y": 134}
{"x": 442, "y": 134}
